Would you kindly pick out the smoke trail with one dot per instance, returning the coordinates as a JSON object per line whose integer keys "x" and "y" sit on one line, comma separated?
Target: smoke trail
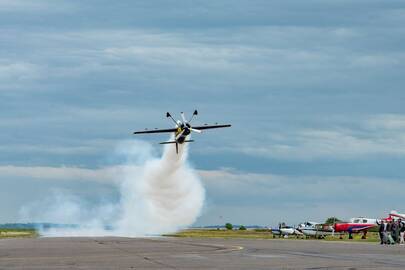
{"x": 168, "y": 196}
{"x": 162, "y": 195}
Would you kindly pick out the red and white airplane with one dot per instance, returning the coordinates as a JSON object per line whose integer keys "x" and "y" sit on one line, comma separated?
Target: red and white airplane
{"x": 361, "y": 224}
{"x": 395, "y": 215}
{"x": 356, "y": 225}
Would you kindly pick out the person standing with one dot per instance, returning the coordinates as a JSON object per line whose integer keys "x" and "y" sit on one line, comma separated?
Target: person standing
{"x": 398, "y": 233}
{"x": 381, "y": 230}
{"x": 389, "y": 233}
{"x": 402, "y": 232}
{"x": 395, "y": 231}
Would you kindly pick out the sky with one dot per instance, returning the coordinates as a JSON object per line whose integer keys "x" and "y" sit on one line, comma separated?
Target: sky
{"x": 313, "y": 90}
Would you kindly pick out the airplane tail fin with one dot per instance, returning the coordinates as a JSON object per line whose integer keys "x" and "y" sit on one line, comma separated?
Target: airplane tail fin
{"x": 168, "y": 142}
{"x": 177, "y": 144}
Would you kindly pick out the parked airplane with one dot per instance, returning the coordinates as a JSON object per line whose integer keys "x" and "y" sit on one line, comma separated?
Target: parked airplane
{"x": 315, "y": 229}
{"x": 181, "y": 130}
{"x": 284, "y": 231}
{"x": 395, "y": 215}
{"x": 356, "y": 225}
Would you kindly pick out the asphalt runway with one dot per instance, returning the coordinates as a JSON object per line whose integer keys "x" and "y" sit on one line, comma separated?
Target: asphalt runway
{"x": 191, "y": 253}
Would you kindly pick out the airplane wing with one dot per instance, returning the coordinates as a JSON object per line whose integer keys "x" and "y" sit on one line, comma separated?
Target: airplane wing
{"x": 360, "y": 229}
{"x": 156, "y": 131}
{"x": 210, "y": 127}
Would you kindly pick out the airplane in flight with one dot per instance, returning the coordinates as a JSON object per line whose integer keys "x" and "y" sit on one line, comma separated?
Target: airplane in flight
{"x": 181, "y": 130}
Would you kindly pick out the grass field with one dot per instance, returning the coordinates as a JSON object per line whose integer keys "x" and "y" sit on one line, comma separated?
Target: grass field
{"x": 263, "y": 234}
{"x": 213, "y": 233}
{"x": 223, "y": 234}
{"x": 9, "y": 233}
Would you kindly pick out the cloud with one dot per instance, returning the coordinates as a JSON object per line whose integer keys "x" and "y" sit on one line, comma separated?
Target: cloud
{"x": 28, "y": 6}
{"x": 16, "y": 74}
{"x": 387, "y": 122}
{"x": 377, "y": 135}
{"x": 38, "y": 173}
{"x": 248, "y": 56}
{"x": 196, "y": 56}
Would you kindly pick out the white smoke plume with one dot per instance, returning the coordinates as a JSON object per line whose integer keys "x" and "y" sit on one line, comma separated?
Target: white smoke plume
{"x": 157, "y": 195}
{"x": 168, "y": 196}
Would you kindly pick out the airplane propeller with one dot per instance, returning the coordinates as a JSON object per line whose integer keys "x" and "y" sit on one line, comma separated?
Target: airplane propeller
{"x": 194, "y": 114}
{"x": 168, "y": 115}
{"x": 183, "y": 116}
{"x": 196, "y": 130}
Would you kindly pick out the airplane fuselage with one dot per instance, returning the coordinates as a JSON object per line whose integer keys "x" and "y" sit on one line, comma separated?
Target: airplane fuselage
{"x": 181, "y": 133}
{"x": 356, "y": 225}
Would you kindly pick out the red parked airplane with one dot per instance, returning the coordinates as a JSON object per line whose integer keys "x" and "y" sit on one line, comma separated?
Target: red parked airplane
{"x": 395, "y": 215}
{"x": 356, "y": 225}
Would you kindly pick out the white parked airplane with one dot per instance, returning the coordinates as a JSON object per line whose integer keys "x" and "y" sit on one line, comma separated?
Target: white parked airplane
{"x": 315, "y": 229}
{"x": 285, "y": 231}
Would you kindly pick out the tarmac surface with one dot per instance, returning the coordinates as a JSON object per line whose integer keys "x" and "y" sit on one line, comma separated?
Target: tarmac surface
{"x": 192, "y": 253}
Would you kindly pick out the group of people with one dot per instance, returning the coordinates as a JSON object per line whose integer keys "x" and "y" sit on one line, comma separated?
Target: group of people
{"x": 392, "y": 232}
